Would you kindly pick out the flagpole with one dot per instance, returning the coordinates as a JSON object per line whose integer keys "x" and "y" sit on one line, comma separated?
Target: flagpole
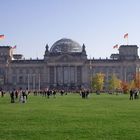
{"x": 127, "y": 40}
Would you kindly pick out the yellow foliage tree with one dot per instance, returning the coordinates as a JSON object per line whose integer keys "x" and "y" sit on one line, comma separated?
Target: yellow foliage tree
{"x": 114, "y": 83}
{"x": 98, "y": 81}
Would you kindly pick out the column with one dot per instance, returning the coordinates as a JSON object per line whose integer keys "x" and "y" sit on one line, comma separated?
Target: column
{"x": 55, "y": 76}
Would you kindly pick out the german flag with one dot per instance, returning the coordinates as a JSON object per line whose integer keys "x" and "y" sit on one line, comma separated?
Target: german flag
{"x": 126, "y": 35}
{"x": 1, "y": 36}
{"x": 116, "y": 46}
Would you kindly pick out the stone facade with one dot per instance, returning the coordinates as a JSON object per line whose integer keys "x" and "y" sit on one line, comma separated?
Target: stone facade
{"x": 65, "y": 65}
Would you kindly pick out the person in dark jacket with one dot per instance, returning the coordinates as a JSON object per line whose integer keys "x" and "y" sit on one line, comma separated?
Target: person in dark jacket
{"x": 131, "y": 94}
{"x": 12, "y": 95}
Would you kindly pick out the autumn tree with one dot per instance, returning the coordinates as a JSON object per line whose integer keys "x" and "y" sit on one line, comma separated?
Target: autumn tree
{"x": 125, "y": 87}
{"x": 114, "y": 83}
{"x": 137, "y": 79}
{"x": 98, "y": 81}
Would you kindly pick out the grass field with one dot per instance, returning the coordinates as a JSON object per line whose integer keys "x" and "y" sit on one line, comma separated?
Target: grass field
{"x": 68, "y": 117}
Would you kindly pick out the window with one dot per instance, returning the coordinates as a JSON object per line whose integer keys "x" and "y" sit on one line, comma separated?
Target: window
{"x": 20, "y": 79}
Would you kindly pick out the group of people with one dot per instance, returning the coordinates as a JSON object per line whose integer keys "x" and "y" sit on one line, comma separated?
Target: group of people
{"x": 19, "y": 95}
{"x": 45, "y": 93}
{"x": 22, "y": 95}
{"x": 134, "y": 94}
{"x": 84, "y": 94}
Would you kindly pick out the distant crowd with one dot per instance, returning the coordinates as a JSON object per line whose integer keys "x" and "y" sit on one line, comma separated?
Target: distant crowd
{"x": 21, "y": 95}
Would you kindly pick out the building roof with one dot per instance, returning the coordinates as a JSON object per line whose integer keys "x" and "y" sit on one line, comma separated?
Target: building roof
{"x": 65, "y": 45}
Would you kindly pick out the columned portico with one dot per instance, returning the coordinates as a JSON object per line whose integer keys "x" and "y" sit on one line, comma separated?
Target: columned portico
{"x": 65, "y": 76}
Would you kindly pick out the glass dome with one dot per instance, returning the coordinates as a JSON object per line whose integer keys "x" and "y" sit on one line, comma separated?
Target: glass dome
{"x": 66, "y": 45}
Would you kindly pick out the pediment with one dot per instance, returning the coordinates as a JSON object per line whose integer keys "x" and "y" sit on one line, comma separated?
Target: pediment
{"x": 64, "y": 58}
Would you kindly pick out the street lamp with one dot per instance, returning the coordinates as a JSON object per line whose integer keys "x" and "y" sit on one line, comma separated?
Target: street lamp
{"x": 39, "y": 81}
{"x": 90, "y": 67}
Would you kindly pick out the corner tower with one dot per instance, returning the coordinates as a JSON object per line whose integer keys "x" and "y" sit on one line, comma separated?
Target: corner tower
{"x": 128, "y": 52}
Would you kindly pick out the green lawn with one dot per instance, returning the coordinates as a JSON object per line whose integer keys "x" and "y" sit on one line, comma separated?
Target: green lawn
{"x": 68, "y": 117}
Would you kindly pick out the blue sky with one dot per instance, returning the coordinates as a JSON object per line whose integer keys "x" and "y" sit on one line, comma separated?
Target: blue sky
{"x": 99, "y": 24}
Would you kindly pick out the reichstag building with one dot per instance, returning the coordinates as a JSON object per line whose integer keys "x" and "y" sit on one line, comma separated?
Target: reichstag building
{"x": 65, "y": 66}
